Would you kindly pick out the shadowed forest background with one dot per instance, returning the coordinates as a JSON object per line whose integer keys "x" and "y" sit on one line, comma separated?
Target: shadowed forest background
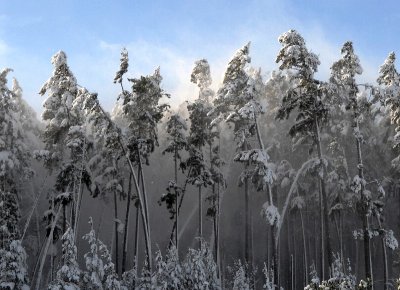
{"x": 273, "y": 180}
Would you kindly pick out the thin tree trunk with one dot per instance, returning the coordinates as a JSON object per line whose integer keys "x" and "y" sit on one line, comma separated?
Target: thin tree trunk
{"x": 140, "y": 197}
{"x": 304, "y": 248}
{"x": 126, "y": 225}
{"x": 271, "y": 201}
{"x": 136, "y": 243}
{"x": 327, "y": 239}
{"x": 176, "y": 201}
{"x": 385, "y": 259}
{"x": 171, "y": 238}
{"x": 341, "y": 239}
{"x": 321, "y": 232}
{"x": 200, "y": 219}
{"x": 367, "y": 246}
{"x": 136, "y": 261}
{"x": 291, "y": 272}
{"x": 294, "y": 251}
{"x": 289, "y": 250}
{"x": 80, "y": 193}
{"x": 247, "y": 222}
{"x": 217, "y": 240}
{"x": 46, "y": 249}
{"x": 116, "y": 224}
{"x": 145, "y": 217}
{"x": 34, "y": 208}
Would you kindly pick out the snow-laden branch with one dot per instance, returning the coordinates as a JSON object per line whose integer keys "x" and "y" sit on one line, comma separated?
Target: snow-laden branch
{"x": 293, "y": 187}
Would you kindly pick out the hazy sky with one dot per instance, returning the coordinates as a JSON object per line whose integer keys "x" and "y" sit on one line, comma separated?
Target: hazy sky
{"x": 173, "y": 34}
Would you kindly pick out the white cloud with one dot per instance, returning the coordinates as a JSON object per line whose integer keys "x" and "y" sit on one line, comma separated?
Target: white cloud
{"x": 96, "y": 67}
{"x": 96, "y": 71}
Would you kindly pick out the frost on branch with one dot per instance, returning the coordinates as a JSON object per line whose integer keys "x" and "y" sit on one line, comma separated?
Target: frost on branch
{"x": 270, "y": 213}
{"x": 357, "y": 184}
{"x": 390, "y": 240}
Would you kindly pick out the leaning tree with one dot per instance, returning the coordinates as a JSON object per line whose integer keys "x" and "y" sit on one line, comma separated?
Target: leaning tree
{"x": 306, "y": 97}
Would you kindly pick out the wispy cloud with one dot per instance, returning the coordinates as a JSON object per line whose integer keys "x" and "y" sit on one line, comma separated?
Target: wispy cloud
{"x": 261, "y": 23}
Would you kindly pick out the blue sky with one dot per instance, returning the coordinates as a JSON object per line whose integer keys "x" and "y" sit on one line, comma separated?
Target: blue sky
{"x": 173, "y": 34}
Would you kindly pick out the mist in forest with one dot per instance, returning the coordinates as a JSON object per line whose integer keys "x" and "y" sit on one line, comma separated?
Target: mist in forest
{"x": 272, "y": 177}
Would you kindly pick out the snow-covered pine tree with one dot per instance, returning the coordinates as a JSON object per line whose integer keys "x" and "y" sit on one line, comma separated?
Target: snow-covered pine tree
{"x": 389, "y": 95}
{"x": 118, "y": 119}
{"x": 168, "y": 273}
{"x": 262, "y": 170}
{"x": 14, "y": 169}
{"x": 143, "y": 111}
{"x": 61, "y": 89}
{"x": 65, "y": 128}
{"x": 229, "y": 99}
{"x": 198, "y": 172}
{"x": 306, "y": 97}
{"x": 239, "y": 100}
{"x": 100, "y": 272}
{"x": 200, "y": 135}
{"x": 108, "y": 142}
{"x": 176, "y": 127}
{"x": 241, "y": 279}
{"x": 110, "y": 280}
{"x": 201, "y": 76}
{"x": 200, "y": 270}
{"x": 69, "y": 275}
{"x": 105, "y": 167}
{"x": 343, "y": 73}
{"x": 27, "y": 115}
{"x": 13, "y": 268}
{"x": 93, "y": 277}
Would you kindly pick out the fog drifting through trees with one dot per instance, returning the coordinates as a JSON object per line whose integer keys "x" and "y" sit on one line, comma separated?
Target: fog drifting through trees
{"x": 279, "y": 181}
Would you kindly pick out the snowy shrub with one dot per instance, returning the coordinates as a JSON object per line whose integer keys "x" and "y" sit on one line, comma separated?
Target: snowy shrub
{"x": 13, "y": 268}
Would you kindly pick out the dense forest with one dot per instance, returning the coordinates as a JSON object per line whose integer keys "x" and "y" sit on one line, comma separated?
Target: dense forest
{"x": 279, "y": 181}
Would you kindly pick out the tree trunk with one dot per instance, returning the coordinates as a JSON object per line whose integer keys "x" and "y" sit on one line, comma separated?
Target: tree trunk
{"x": 304, "y": 248}
{"x": 200, "y": 219}
{"x": 140, "y": 198}
{"x": 327, "y": 239}
{"x": 385, "y": 259}
{"x": 116, "y": 224}
{"x": 145, "y": 216}
{"x": 176, "y": 201}
{"x": 126, "y": 224}
{"x": 321, "y": 232}
{"x": 136, "y": 261}
{"x": 46, "y": 249}
{"x": 218, "y": 254}
{"x": 247, "y": 222}
{"x": 367, "y": 246}
{"x": 174, "y": 230}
